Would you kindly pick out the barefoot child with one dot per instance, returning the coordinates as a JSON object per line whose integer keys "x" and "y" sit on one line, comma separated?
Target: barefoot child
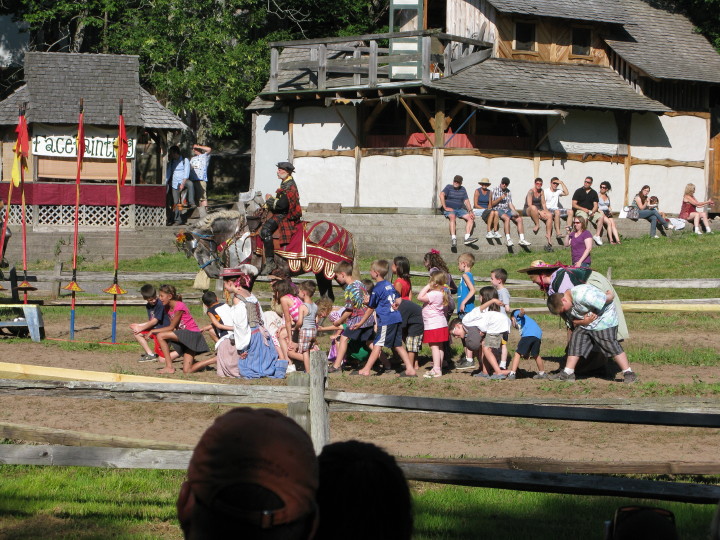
{"x": 434, "y": 295}
{"x": 157, "y": 318}
{"x": 307, "y": 322}
{"x": 354, "y": 311}
{"x": 466, "y": 301}
{"x": 529, "y": 344}
{"x": 382, "y": 301}
{"x": 182, "y": 331}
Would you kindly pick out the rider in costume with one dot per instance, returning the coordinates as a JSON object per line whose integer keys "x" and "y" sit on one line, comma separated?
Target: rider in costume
{"x": 286, "y": 214}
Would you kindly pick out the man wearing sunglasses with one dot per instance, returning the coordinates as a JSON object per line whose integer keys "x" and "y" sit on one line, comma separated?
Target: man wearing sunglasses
{"x": 585, "y": 203}
{"x": 553, "y": 193}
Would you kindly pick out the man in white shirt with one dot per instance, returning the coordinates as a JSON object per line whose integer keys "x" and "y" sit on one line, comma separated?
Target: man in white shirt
{"x": 198, "y": 174}
{"x": 556, "y": 190}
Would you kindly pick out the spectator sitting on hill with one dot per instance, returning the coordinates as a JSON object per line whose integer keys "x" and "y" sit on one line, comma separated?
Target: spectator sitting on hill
{"x": 456, "y": 204}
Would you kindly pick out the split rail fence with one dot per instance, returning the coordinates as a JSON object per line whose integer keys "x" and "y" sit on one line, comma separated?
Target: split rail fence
{"x": 309, "y": 402}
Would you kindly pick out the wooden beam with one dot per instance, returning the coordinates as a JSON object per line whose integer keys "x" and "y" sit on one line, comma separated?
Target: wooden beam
{"x": 78, "y": 438}
{"x": 274, "y": 57}
{"x": 562, "y": 483}
{"x": 556, "y": 412}
{"x": 470, "y": 60}
{"x": 172, "y": 392}
{"x": 319, "y": 414}
{"x": 414, "y": 119}
{"x": 98, "y": 377}
{"x": 668, "y": 283}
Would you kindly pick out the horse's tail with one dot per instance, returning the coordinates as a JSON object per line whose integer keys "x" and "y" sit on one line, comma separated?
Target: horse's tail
{"x": 356, "y": 266}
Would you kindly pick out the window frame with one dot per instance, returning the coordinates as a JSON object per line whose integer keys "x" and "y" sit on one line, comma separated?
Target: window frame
{"x": 533, "y": 24}
{"x": 572, "y": 41}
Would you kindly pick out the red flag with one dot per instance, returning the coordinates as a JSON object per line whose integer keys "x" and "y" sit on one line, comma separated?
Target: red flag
{"x": 80, "y": 143}
{"x": 121, "y": 149}
{"x": 21, "y": 149}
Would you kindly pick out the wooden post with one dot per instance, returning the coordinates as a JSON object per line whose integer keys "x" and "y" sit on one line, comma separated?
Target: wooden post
{"x": 322, "y": 67}
{"x": 319, "y": 416}
{"x": 357, "y": 55}
{"x": 373, "y": 64}
{"x": 274, "y": 57}
{"x": 57, "y": 280}
{"x": 426, "y": 45}
{"x": 299, "y": 410}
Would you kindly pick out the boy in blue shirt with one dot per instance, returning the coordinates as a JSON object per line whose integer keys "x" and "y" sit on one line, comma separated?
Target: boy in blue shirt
{"x": 381, "y": 302}
{"x": 466, "y": 302}
{"x": 529, "y": 344}
{"x": 157, "y": 318}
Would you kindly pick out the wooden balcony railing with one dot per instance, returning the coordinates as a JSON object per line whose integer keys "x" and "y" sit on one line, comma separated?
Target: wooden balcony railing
{"x": 420, "y": 55}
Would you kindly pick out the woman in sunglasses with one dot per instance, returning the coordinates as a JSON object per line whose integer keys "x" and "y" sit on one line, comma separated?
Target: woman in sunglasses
{"x": 606, "y": 216}
{"x": 580, "y": 241}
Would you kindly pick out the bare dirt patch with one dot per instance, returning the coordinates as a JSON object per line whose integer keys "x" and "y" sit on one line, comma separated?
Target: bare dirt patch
{"x": 406, "y": 434}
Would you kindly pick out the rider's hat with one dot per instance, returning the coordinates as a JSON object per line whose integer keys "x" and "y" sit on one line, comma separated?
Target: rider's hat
{"x": 286, "y": 165}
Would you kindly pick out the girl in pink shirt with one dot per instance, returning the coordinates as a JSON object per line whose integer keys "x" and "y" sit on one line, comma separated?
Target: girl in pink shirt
{"x": 435, "y": 296}
{"x": 182, "y": 332}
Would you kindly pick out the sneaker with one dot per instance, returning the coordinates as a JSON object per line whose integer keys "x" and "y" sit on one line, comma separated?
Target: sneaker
{"x": 540, "y": 376}
{"x": 453, "y": 242}
{"x": 524, "y": 242}
{"x": 498, "y": 377}
{"x": 497, "y": 234}
{"x": 629, "y": 377}
{"x": 562, "y": 376}
{"x": 464, "y": 364}
{"x": 511, "y": 377}
{"x": 291, "y": 368}
{"x": 698, "y": 231}
{"x": 148, "y": 358}
{"x": 509, "y": 243}
{"x": 548, "y": 248}
{"x": 432, "y": 375}
{"x": 502, "y": 365}
{"x": 598, "y": 240}
{"x": 470, "y": 240}
{"x": 670, "y": 226}
{"x": 490, "y": 235}
{"x": 481, "y": 375}
{"x": 656, "y": 236}
{"x": 708, "y": 231}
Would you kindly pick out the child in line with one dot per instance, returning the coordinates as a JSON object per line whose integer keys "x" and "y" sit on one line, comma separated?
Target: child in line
{"x": 595, "y": 321}
{"x": 307, "y": 322}
{"x": 182, "y": 331}
{"x": 354, "y": 311}
{"x": 434, "y": 295}
{"x": 157, "y": 318}
{"x": 482, "y": 330}
{"x": 326, "y": 310}
{"x": 434, "y": 261}
{"x": 529, "y": 344}
{"x": 413, "y": 328}
{"x": 466, "y": 302}
{"x": 498, "y": 277}
{"x": 284, "y": 295}
{"x": 216, "y": 312}
{"x": 401, "y": 269}
{"x": 381, "y": 301}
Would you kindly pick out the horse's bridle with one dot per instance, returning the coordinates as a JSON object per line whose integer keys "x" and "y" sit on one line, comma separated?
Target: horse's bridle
{"x": 215, "y": 247}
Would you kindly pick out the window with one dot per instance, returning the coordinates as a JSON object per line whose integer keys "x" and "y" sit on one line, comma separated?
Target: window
{"x": 524, "y": 36}
{"x": 581, "y": 41}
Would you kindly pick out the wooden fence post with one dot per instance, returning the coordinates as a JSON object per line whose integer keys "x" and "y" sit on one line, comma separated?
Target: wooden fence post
{"x": 319, "y": 415}
{"x": 299, "y": 410}
{"x": 57, "y": 280}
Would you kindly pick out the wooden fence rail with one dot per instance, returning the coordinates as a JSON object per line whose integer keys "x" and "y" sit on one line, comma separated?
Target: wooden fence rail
{"x": 463, "y": 475}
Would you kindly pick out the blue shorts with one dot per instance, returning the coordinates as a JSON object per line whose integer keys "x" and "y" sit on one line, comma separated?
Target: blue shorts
{"x": 505, "y": 212}
{"x": 389, "y": 336}
{"x": 528, "y": 346}
{"x": 459, "y": 212}
{"x": 361, "y": 334}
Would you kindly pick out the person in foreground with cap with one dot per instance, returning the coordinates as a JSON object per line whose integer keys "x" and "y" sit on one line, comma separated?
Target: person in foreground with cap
{"x": 484, "y": 210}
{"x": 253, "y": 474}
{"x": 286, "y": 214}
{"x": 455, "y": 204}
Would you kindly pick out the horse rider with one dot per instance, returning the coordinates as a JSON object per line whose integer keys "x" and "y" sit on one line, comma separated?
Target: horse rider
{"x": 286, "y": 214}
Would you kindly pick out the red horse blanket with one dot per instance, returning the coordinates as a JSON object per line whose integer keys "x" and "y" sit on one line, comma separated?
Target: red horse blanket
{"x": 306, "y": 256}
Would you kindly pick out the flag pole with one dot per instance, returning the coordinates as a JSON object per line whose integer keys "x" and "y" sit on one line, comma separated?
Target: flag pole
{"x": 22, "y": 147}
{"x": 121, "y": 148}
{"x": 73, "y": 287}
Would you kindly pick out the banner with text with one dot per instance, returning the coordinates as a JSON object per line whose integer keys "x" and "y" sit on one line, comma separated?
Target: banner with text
{"x": 59, "y": 141}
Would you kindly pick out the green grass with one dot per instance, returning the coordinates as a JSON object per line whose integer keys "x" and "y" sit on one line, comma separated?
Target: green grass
{"x": 80, "y": 502}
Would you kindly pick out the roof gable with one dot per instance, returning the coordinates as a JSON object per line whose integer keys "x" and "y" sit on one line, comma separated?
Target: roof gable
{"x": 57, "y": 81}
{"x": 609, "y": 11}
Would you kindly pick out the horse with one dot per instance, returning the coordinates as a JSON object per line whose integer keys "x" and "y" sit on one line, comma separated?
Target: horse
{"x": 228, "y": 238}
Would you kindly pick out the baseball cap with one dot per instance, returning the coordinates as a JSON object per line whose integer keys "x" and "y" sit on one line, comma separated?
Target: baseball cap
{"x": 261, "y": 447}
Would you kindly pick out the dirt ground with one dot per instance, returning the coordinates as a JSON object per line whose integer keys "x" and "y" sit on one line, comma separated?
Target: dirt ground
{"x": 403, "y": 434}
